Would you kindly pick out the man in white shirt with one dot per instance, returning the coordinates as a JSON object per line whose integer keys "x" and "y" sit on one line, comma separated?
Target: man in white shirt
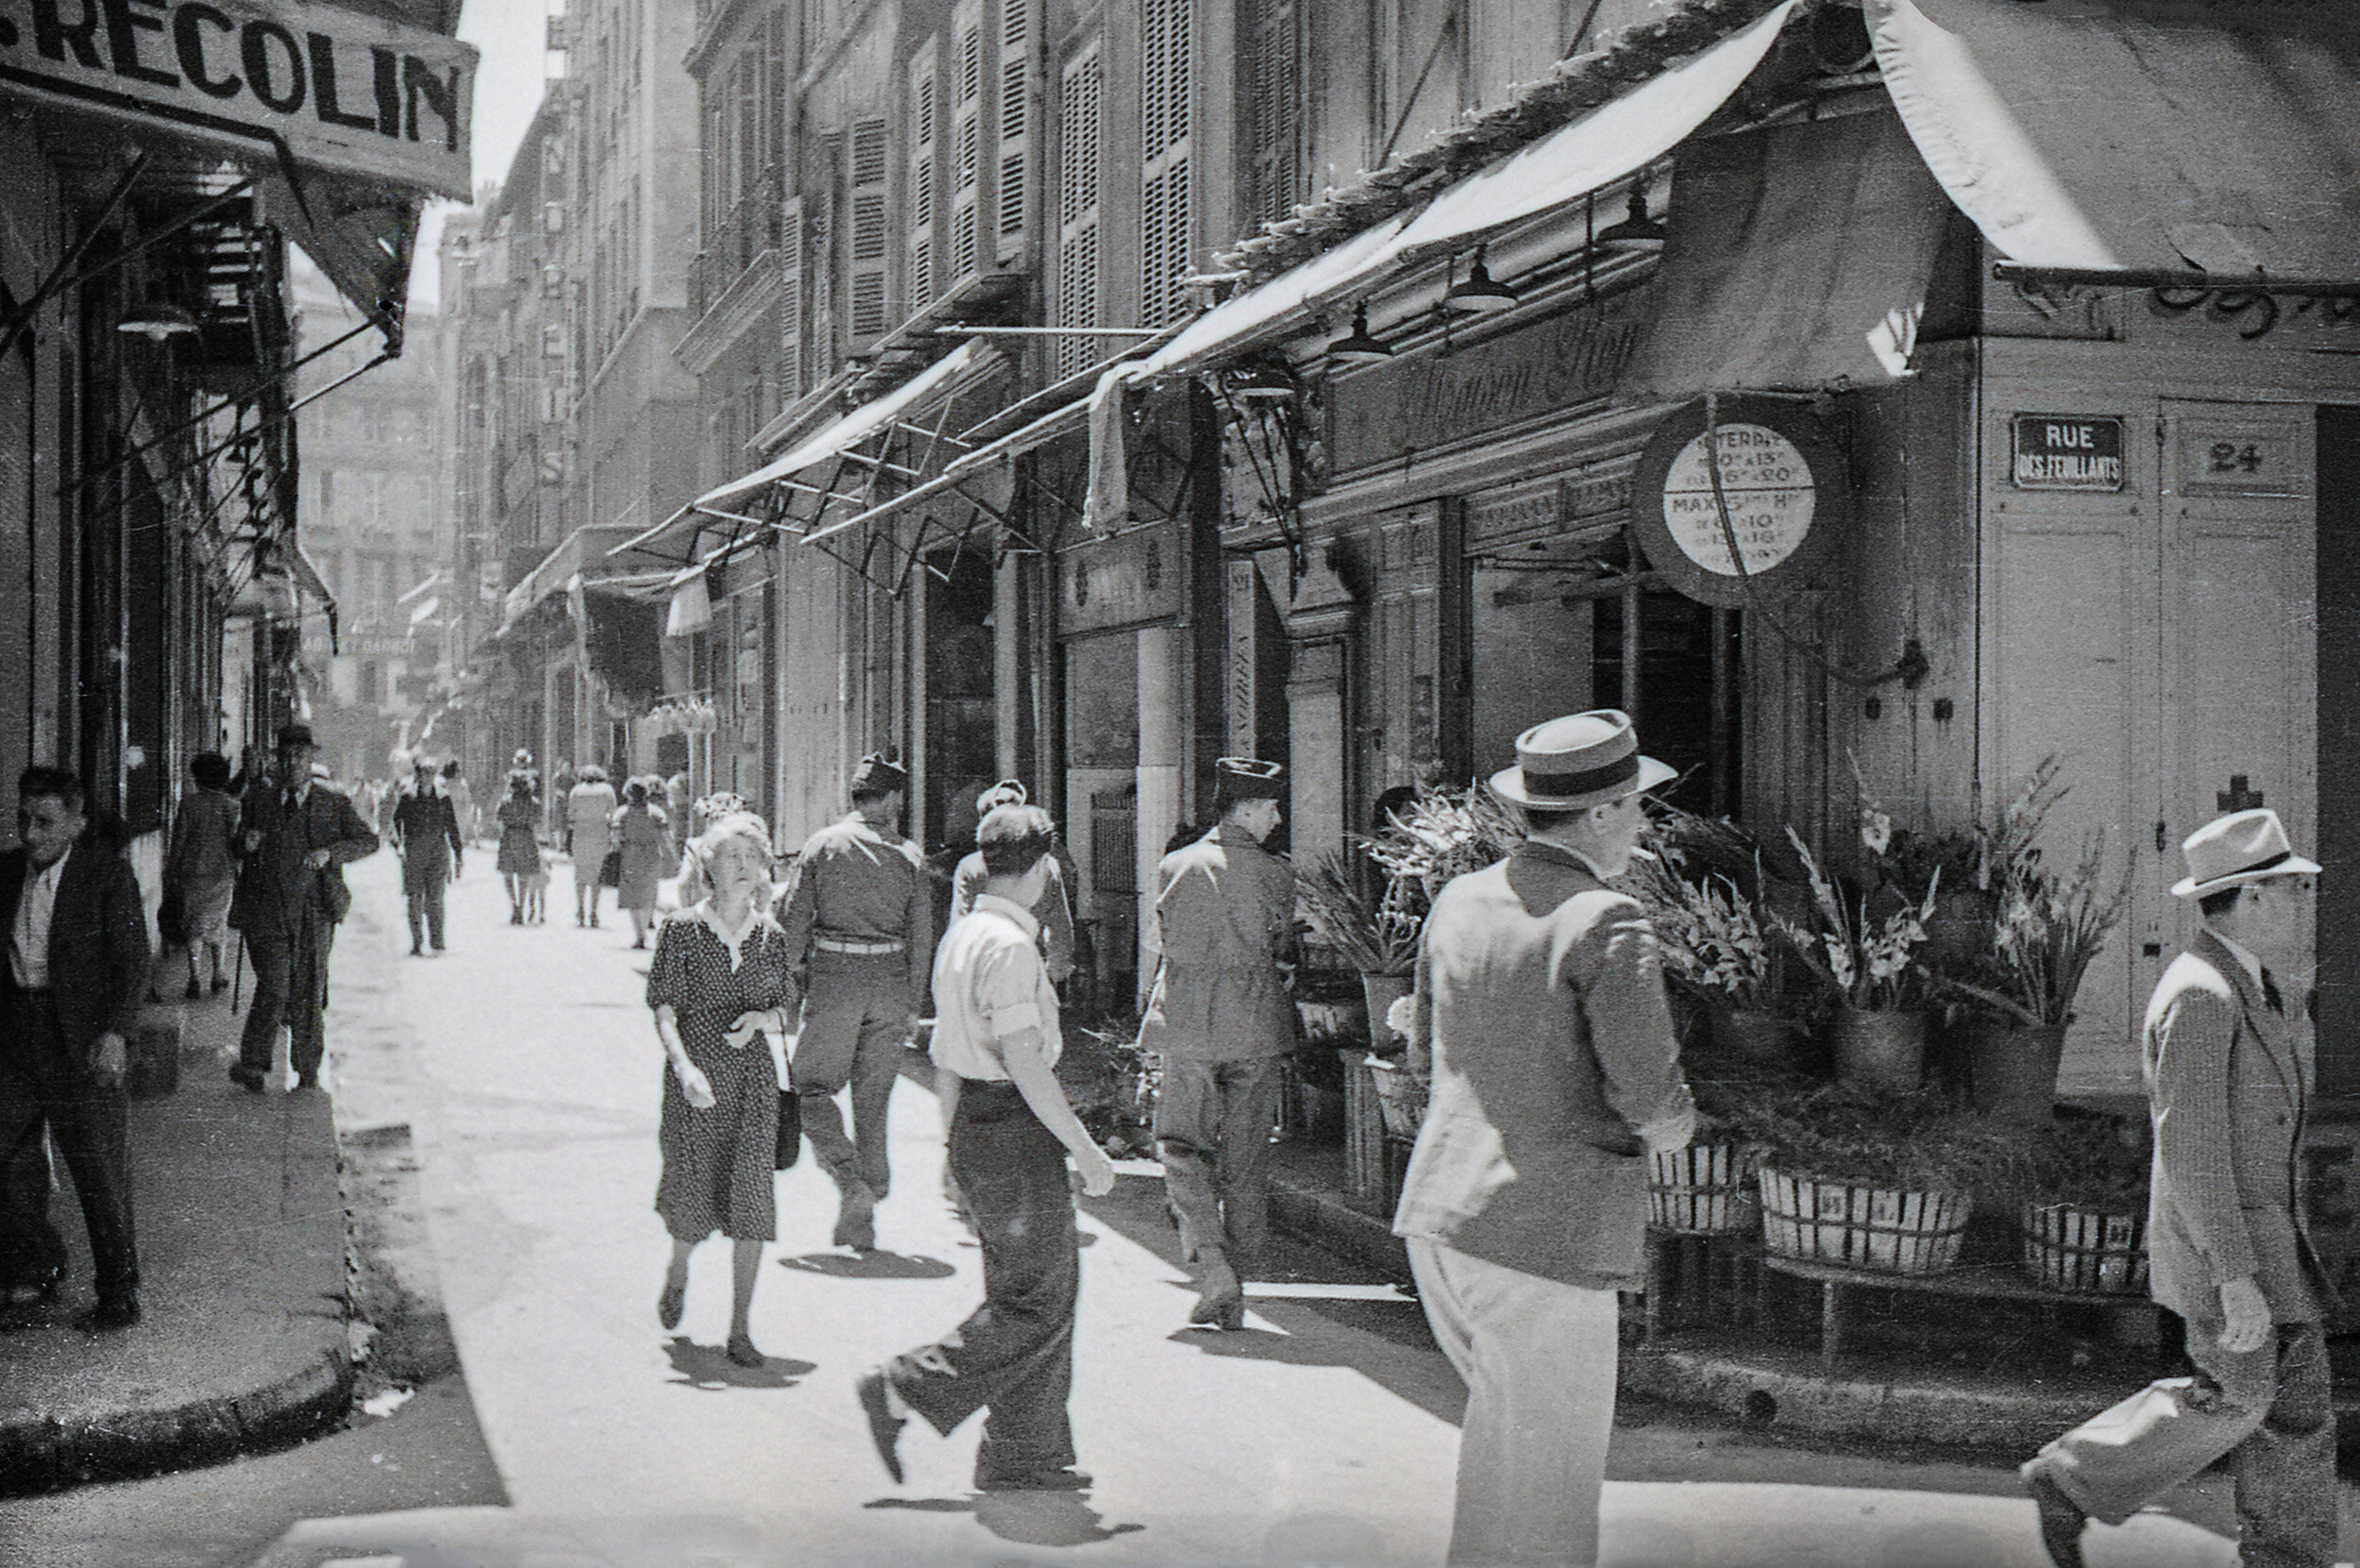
{"x": 995, "y": 1050}
{"x": 76, "y": 972}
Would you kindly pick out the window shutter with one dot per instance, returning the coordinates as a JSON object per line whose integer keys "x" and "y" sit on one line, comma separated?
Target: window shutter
{"x": 820, "y": 232}
{"x": 1273, "y": 61}
{"x": 869, "y": 244}
{"x": 1081, "y": 118}
{"x": 923, "y": 149}
{"x": 1014, "y": 194}
{"x": 966, "y": 113}
{"x": 791, "y": 381}
{"x": 1164, "y": 217}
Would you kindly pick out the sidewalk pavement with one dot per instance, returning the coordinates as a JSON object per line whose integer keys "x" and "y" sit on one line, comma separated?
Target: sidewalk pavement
{"x": 243, "y": 1343}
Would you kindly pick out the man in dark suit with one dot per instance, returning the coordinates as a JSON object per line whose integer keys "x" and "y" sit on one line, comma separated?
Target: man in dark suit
{"x": 1539, "y": 995}
{"x": 426, "y": 834}
{"x": 70, "y": 993}
{"x": 295, "y": 835}
{"x": 2229, "y": 1066}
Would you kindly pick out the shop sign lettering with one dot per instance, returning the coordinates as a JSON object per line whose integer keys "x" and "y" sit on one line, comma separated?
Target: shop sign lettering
{"x": 2064, "y": 452}
{"x": 1118, "y": 581}
{"x": 343, "y": 91}
{"x": 1769, "y": 493}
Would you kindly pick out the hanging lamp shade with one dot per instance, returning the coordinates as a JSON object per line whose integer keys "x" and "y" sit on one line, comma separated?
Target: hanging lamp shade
{"x": 157, "y": 320}
{"x": 1262, "y": 380}
{"x": 1481, "y": 294}
{"x": 1359, "y": 346}
{"x": 1637, "y": 231}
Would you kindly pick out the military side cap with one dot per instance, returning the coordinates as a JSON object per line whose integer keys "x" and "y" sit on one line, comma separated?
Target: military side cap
{"x": 877, "y": 776}
{"x": 1007, "y": 792}
{"x": 295, "y": 734}
{"x": 1252, "y": 779}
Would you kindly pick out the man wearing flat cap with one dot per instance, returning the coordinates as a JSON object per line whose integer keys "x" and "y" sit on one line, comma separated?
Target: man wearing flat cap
{"x": 1539, "y": 995}
{"x": 858, "y": 915}
{"x": 1221, "y": 1014}
{"x": 1053, "y": 912}
{"x": 295, "y": 837}
{"x": 2229, "y": 1066}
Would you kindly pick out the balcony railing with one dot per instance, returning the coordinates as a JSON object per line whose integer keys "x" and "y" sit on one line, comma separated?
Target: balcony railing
{"x": 751, "y": 227}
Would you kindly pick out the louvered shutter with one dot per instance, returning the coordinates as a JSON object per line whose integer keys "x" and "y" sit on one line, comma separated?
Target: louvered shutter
{"x": 1013, "y": 195}
{"x": 1272, "y": 59}
{"x": 870, "y": 243}
{"x": 820, "y": 241}
{"x": 1166, "y": 226}
{"x": 925, "y": 148}
{"x": 1081, "y": 119}
{"x": 791, "y": 348}
{"x": 967, "y": 130}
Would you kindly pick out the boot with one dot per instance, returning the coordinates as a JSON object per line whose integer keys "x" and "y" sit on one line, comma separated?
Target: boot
{"x": 1221, "y": 1298}
{"x": 856, "y": 1219}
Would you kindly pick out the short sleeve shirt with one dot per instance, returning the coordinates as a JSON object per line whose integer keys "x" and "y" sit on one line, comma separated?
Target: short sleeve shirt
{"x": 991, "y": 982}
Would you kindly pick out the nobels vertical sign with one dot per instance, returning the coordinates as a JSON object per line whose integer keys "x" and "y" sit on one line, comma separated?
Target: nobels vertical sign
{"x": 346, "y": 92}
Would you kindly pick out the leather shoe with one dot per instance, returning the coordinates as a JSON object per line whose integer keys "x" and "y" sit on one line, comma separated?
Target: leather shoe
{"x": 2061, "y": 1520}
{"x": 857, "y": 1220}
{"x": 671, "y": 1304}
{"x": 1063, "y": 1479}
{"x": 112, "y": 1314}
{"x": 743, "y": 1351}
{"x": 247, "y": 1078}
{"x": 884, "y": 1428}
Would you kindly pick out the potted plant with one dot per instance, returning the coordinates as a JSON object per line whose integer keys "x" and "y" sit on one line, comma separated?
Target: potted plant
{"x": 1869, "y": 971}
{"x": 1719, "y": 948}
{"x": 2050, "y": 927}
{"x": 1376, "y": 936}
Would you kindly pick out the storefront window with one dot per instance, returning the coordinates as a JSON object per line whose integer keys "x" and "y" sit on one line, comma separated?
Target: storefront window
{"x": 1687, "y": 700}
{"x": 960, "y": 753}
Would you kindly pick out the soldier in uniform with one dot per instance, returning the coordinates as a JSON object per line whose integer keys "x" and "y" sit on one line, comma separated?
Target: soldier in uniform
{"x": 1053, "y": 912}
{"x": 859, "y": 919}
{"x": 1221, "y": 1014}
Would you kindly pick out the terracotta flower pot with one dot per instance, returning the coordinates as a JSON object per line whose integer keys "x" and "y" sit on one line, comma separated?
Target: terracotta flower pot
{"x": 2012, "y": 1073}
{"x": 1883, "y": 1053}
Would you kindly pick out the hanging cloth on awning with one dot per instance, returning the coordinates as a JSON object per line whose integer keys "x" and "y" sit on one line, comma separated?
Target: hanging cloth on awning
{"x": 2138, "y": 133}
{"x": 1798, "y": 257}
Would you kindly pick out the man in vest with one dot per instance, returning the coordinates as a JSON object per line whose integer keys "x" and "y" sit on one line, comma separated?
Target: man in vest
{"x": 858, "y": 913}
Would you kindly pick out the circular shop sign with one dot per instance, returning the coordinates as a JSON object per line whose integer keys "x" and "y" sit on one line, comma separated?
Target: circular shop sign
{"x": 1780, "y": 479}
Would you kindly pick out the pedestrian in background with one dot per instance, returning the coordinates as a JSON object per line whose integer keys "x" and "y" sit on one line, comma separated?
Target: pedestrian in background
{"x": 1010, "y": 1130}
{"x": 295, "y": 837}
{"x": 426, "y": 834}
{"x": 858, "y": 913}
{"x": 2230, "y": 1063}
{"x": 1053, "y": 912}
{"x": 644, "y": 834}
{"x": 590, "y": 808}
{"x": 1221, "y": 1014}
{"x": 721, "y": 986}
{"x": 1540, "y": 993}
{"x": 520, "y": 849}
{"x": 201, "y": 869}
{"x": 462, "y": 799}
{"x": 562, "y": 790}
{"x": 70, "y": 994}
{"x": 676, "y": 798}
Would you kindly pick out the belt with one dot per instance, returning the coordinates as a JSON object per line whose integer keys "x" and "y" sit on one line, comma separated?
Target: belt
{"x": 858, "y": 950}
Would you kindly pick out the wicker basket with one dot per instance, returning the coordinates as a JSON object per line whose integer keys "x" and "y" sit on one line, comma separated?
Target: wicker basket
{"x": 1822, "y": 1221}
{"x": 1705, "y": 1189}
{"x": 1400, "y": 1098}
{"x": 2070, "y": 1248}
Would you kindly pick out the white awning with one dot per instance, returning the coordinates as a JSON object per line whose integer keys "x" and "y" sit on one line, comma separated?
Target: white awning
{"x": 854, "y": 428}
{"x": 1611, "y": 142}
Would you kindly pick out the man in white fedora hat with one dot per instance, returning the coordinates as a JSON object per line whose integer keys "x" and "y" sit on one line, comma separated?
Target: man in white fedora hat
{"x": 2229, "y": 1062}
{"x": 1540, "y": 994}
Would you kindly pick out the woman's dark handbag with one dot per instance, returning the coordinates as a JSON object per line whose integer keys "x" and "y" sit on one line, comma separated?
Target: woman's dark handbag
{"x": 790, "y": 1146}
{"x": 611, "y": 869}
{"x": 172, "y": 924}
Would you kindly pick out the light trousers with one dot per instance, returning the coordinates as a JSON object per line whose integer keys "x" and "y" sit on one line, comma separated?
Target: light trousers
{"x": 1538, "y": 1359}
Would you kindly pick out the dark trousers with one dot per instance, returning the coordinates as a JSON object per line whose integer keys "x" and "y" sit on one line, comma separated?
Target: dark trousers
{"x": 42, "y": 1083}
{"x": 290, "y": 987}
{"x": 856, "y": 1021}
{"x": 1015, "y": 1352}
{"x": 425, "y": 911}
{"x": 1212, "y": 1128}
{"x": 2270, "y": 1411}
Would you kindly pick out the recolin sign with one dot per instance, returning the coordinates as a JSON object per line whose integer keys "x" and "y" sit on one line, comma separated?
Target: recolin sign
{"x": 342, "y": 92}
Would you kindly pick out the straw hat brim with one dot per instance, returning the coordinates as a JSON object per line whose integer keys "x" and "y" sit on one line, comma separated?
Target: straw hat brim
{"x": 2294, "y": 866}
{"x": 1508, "y": 784}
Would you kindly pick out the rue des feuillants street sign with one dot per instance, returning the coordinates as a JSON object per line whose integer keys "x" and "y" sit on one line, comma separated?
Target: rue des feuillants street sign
{"x": 340, "y": 91}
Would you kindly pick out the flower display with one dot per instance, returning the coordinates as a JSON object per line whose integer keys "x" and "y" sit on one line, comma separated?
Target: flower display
{"x": 1870, "y": 965}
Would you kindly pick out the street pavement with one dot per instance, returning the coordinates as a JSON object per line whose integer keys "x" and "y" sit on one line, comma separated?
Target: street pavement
{"x": 1325, "y": 1433}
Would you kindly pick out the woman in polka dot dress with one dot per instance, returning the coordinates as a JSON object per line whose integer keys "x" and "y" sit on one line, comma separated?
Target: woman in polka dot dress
{"x": 720, "y": 981}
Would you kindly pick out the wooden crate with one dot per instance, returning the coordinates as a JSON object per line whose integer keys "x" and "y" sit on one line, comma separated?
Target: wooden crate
{"x": 2068, "y": 1247}
{"x": 1861, "y": 1227}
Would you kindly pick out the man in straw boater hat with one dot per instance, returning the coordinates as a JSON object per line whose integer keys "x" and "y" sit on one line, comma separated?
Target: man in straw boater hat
{"x": 858, "y": 913}
{"x": 1540, "y": 994}
{"x": 2229, "y": 1062}
{"x": 1221, "y": 1017}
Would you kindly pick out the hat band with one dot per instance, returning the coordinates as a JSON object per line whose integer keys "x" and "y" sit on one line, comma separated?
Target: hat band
{"x": 2279, "y": 858}
{"x": 1566, "y": 785}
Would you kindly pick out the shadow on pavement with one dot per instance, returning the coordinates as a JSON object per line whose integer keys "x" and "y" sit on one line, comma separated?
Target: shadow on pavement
{"x": 1027, "y": 1518}
{"x": 709, "y": 1367}
{"x": 869, "y": 1265}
